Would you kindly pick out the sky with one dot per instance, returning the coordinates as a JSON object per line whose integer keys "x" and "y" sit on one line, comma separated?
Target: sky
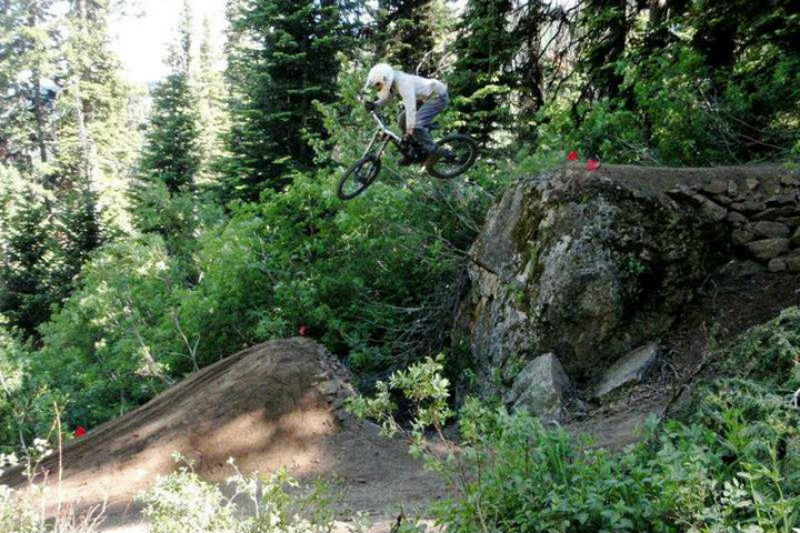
{"x": 140, "y": 36}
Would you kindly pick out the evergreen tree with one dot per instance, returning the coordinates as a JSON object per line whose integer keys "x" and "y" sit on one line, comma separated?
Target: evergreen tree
{"x": 405, "y": 32}
{"x": 171, "y": 153}
{"x": 283, "y": 58}
{"x": 163, "y": 196}
{"x": 29, "y": 253}
{"x": 28, "y": 42}
{"x": 212, "y": 115}
{"x": 79, "y": 225}
{"x": 481, "y": 77}
{"x": 604, "y": 24}
{"x": 530, "y": 71}
{"x": 97, "y": 141}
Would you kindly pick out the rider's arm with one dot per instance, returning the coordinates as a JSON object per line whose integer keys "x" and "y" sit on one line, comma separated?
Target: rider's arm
{"x": 411, "y": 114}
{"x": 408, "y": 92}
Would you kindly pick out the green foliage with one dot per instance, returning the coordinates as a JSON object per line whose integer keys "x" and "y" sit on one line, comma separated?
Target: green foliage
{"x": 695, "y": 83}
{"x": 282, "y": 59}
{"x": 30, "y": 262}
{"x": 770, "y": 352}
{"x": 28, "y": 47}
{"x": 405, "y": 32}
{"x": 730, "y": 466}
{"x": 97, "y": 142}
{"x": 480, "y": 82}
{"x": 213, "y": 120}
{"x": 65, "y": 127}
{"x": 165, "y": 199}
{"x": 423, "y": 385}
{"x": 171, "y": 153}
{"x": 117, "y": 339}
{"x": 183, "y": 501}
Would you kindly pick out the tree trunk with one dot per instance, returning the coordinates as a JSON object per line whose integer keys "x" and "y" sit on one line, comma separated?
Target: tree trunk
{"x": 84, "y": 140}
{"x": 36, "y": 78}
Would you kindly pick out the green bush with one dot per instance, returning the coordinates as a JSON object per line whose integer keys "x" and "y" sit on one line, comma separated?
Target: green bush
{"x": 374, "y": 279}
{"x": 275, "y": 503}
{"x": 730, "y": 465}
{"x": 18, "y": 514}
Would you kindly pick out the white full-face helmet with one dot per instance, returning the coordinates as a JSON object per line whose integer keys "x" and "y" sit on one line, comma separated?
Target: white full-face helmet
{"x": 381, "y": 75}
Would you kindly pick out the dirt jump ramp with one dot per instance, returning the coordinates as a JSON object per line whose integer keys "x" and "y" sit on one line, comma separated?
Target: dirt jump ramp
{"x": 272, "y": 405}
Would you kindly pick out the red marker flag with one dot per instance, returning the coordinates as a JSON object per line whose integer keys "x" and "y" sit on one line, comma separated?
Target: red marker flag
{"x": 572, "y": 156}
{"x": 80, "y": 431}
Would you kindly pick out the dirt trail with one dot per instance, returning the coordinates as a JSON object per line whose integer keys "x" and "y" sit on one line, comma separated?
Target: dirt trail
{"x": 280, "y": 404}
{"x": 275, "y": 404}
{"x": 727, "y": 305}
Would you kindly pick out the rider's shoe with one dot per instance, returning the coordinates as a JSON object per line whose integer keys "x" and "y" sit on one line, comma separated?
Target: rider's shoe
{"x": 423, "y": 137}
{"x": 408, "y": 152}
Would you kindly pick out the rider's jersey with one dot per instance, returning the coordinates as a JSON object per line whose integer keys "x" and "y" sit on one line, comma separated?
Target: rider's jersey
{"x": 411, "y": 88}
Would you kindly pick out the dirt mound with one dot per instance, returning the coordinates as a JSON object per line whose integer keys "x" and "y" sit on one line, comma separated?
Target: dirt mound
{"x": 275, "y": 404}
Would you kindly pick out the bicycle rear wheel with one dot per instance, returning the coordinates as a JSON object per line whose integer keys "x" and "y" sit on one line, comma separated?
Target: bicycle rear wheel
{"x": 455, "y": 155}
{"x": 358, "y": 177}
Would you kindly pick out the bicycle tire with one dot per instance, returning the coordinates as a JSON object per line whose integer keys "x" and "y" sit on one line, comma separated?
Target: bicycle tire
{"x": 466, "y": 150}
{"x": 362, "y": 181}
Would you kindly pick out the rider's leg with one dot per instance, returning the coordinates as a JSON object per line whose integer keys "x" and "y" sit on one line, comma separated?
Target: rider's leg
{"x": 425, "y": 116}
{"x": 423, "y": 137}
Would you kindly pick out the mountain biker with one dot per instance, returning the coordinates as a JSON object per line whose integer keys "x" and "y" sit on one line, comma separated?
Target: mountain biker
{"x": 414, "y": 122}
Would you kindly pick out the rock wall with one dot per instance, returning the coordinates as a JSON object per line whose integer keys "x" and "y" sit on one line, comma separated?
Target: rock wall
{"x": 761, "y": 213}
{"x": 588, "y": 266}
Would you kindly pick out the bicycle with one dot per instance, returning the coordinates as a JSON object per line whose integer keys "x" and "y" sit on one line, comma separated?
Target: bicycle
{"x": 456, "y": 154}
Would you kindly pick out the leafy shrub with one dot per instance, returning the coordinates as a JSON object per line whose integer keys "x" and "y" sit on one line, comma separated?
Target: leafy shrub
{"x": 731, "y": 465}
{"x": 114, "y": 343}
{"x": 182, "y": 501}
{"x": 17, "y": 514}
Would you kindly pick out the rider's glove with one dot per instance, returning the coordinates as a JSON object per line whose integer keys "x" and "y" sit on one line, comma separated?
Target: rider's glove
{"x": 369, "y": 106}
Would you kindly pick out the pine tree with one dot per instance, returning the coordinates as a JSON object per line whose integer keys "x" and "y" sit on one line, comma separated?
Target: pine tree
{"x": 163, "y": 196}
{"x": 28, "y": 44}
{"x": 97, "y": 142}
{"x": 604, "y": 24}
{"x": 405, "y": 32}
{"x": 171, "y": 152}
{"x": 481, "y": 76}
{"x": 212, "y": 116}
{"x": 29, "y": 253}
{"x": 282, "y": 60}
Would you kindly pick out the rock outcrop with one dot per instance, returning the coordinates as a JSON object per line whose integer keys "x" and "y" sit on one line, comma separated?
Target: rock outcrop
{"x": 588, "y": 266}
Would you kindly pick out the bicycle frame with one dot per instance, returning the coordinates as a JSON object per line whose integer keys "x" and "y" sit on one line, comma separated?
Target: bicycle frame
{"x": 384, "y": 134}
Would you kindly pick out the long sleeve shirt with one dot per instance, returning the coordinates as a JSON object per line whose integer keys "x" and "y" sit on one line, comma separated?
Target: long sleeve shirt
{"x": 410, "y": 88}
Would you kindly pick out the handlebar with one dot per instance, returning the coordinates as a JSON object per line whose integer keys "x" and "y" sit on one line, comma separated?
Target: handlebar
{"x": 379, "y": 121}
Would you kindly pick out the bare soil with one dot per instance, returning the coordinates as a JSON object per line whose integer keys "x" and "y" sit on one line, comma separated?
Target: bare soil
{"x": 279, "y": 404}
{"x": 275, "y": 404}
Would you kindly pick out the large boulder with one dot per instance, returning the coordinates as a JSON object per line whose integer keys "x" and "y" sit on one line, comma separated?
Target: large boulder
{"x": 540, "y": 388}
{"x": 590, "y": 265}
{"x": 632, "y": 368}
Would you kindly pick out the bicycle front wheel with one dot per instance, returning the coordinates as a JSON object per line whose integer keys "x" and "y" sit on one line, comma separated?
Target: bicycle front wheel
{"x": 358, "y": 177}
{"x": 456, "y": 153}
